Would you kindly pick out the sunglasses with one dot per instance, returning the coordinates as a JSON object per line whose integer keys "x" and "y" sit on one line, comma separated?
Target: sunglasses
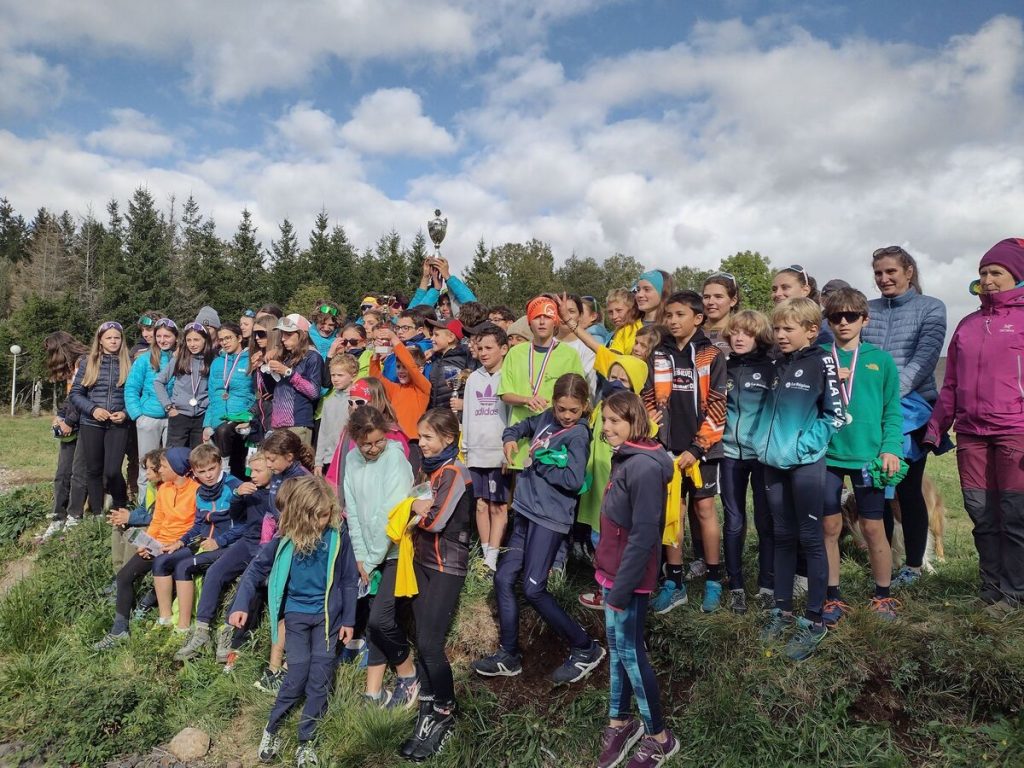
{"x": 889, "y": 250}
{"x": 796, "y": 268}
{"x": 327, "y": 309}
{"x": 727, "y": 275}
{"x": 356, "y": 402}
{"x": 260, "y": 334}
{"x": 197, "y": 327}
{"x": 351, "y": 342}
{"x": 249, "y": 313}
{"x": 593, "y": 301}
{"x": 146, "y": 321}
{"x": 850, "y": 317}
{"x": 110, "y": 325}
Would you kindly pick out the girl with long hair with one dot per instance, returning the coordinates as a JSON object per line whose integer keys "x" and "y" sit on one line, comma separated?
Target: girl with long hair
{"x": 190, "y": 397}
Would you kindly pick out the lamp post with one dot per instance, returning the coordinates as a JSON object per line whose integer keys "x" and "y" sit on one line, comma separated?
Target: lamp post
{"x": 15, "y": 350}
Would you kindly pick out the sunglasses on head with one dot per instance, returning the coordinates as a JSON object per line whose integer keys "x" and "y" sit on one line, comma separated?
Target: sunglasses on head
{"x": 327, "y": 309}
{"x": 850, "y": 317}
{"x": 166, "y": 322}
{"x": 592, "y": 300}
{"x": 249, "y": 313}
{"x": 197, "y": 327}
{"x": 727, "y": 275}
{"x": 889, "y": 250}
{"x": 146, "y": 320}
{"x": 798, "y": 269}
{"x": 110, "y": 325}
{"x": 356, "y": 402}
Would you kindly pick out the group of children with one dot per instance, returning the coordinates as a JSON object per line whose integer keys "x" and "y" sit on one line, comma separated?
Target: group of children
{"x": 284, "y": 452}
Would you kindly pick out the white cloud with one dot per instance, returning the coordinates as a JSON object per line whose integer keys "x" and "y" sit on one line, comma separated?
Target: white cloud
{"x": 390, "y": 121}
{"x": 131, "y": 134}
{"x": 29, "y": 82}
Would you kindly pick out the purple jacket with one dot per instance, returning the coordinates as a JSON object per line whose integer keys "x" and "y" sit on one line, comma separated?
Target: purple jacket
{"x": 984, "y": 387}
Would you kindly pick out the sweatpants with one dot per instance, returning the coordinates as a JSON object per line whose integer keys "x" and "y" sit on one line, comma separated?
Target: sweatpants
{"x": 914, "y": 512}
{"x": 151, "y": 434}
{"x": 796, "y": 499}
{"x": 184, "y": 431}
{"x": 184, "y": 564}
{"x": 311, "y": 649}
{"x": 62, "y": 480}
{"x": 528, "y": 556}
{"x": 386, "y": 639}
{"x": 992, "y": 479}
{"x": 736, "y": 475}
{"x": 231, "y": 446}
{"x": 104, "y": 454}
{"x": 434, "y": 609}
{"x": 132, "y": 571}
{"x": 629, "y": 671}
{"x": 228, "y": 567}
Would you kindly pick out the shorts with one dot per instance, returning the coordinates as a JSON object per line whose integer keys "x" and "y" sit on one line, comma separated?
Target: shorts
{"x": 490, "y": 484}
{"x": 709, "y": 473}
{"x": 870, "y": 500}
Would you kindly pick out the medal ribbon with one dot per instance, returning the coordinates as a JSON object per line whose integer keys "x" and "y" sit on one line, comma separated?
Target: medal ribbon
{"x": 228, "y": 374}
{"x": 194, "y": 382}
{"x": 846, "y": 387}
{"x": 535, "y": 385}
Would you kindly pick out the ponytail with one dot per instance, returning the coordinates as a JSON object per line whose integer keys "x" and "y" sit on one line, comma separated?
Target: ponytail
{"x": 284, "y": 442}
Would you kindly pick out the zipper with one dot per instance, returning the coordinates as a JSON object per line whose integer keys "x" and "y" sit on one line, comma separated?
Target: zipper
{"x": 1020, "y": 384}
{"x": 110, "y": 381}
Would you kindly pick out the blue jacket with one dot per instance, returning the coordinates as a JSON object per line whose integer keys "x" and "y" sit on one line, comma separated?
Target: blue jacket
{"x": 748, "y": 402}
{"x": 140, "y": 388}
{"x": 911, "y": 328}
{"x": 213, "y": 516}
{"x": 391, "y": 363}
{"x": 104, "y": 393}
{"x": 239, "y": 390}
{"x": 142, "y": 515}
{"x": 459, "y": 291}
{"x": 272, "y": 567}
{"x": 247, "y": 512}
{"x": 547, "y": 493}
{"x": 322, "y": 343}
{"x": 295, "y": 470}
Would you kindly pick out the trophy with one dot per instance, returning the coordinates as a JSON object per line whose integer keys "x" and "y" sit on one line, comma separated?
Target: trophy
{"x": 437, "y": 228}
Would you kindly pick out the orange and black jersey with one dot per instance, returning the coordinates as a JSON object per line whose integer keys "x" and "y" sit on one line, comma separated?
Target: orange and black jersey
{"x": 441, "y": 540}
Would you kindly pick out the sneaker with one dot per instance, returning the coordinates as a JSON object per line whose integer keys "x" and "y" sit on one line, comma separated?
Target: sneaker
{"x": 110, "y": 590}
{"x": 833, "y": 611}
{"x": 579, "y": 664}
{"x": 55, "y": 527}
{"x": 500, "y": 664}
{"x": 698, "y": 570}
{"x": 805, "y": 640}
{"x": 198, "y": 639}
{"x": 652, "y": 753}
{"x": 419, "y": 731}
{"x": 230, "y": 662}
{"x": 407, "y": 689}
{"x": 594, "y": 600}
{"x": 906, "y": 577}
{"x": 436, "y": 729}
{"x": 71, "y": 522}
{"x": 380, "y": 700}
{"x": 224, "y": 636}
{"x": 765, "y": 599}
{"x": 270, "y": 682}
{"x": 1001, "y": 609}
{"x": 270, "y": 747}
{"x": 616, "y": 742}
{"x": 777, "y": 626}
{"x": 738, "y": 601}
{"x": 668, "y": 597}
{"x": 712, "y": 596}
{"x": 110, "y": 641}
{"x": 799, "y": 586}
{"x": 884, "y": 607}
{"x": 305, "y": 756}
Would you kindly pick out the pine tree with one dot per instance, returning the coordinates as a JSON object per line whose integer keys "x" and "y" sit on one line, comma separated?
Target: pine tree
{"x": 484, "y": 278}
{"x": 284, "y": 263}
{"x": 248, "y": 274}
{"x": 87, "y": 246}
{"x": 340, "y": 270}
{"x": 414, "y": 257}
{"x": 111, "y": 262}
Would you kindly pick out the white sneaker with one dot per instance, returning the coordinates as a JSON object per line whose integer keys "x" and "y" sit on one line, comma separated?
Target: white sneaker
{"x": 55, "y": 527}
{"x": 71, "y": 522}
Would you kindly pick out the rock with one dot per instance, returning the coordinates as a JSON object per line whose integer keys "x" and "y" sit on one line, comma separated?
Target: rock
{"x": 190, "y": 744}
{"x": 233, "y": 764}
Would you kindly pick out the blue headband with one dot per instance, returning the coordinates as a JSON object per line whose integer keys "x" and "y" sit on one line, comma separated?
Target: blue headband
{"x": 654, "y": 278}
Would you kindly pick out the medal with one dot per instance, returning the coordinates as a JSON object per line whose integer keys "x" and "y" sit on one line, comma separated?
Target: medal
{"x": 846, "y": 387}
{"x": 193, "y": 402}
{"x": 224, "y": 396}
{"x": 228, "y": 374}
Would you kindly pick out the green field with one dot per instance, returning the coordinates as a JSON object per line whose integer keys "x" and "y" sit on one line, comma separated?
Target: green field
{"x": 941, "y": 687}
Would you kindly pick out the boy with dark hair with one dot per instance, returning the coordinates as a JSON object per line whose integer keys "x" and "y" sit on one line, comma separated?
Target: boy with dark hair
{"x": 501, "y": 316}
{"x": 687, "y": 383}
{"x": 411, "y": 329}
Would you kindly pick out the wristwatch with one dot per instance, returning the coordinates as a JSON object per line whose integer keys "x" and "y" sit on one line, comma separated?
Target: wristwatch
{"x": 287, "y": 371}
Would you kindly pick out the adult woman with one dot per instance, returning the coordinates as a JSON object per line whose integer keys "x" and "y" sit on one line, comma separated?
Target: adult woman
{"x": 651, "y": 289}
{"x": 912, "y": 328}
{"x": 793, "y": 282}
{"x": 982, "y": 393}
{"x": 721, "y": 295}
{"x": 231, "y": 393}
{"x": 246, "y": 322}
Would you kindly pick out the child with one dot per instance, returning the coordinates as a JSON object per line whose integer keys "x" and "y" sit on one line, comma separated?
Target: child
{"x": 334, "y": 413}
{"x": 203, "y": 543}
{"x": 721, "y": 294}
{"x": 688, "y": 379}
{"x": 98, "y": 394}
{"x": 570, "y": 312}
{"x": 869, "y": 385}
{"x": 806, "y": 410}
{"x": 264, "y": 345}
{"x": 590, "y": 318}
{"x": 620, "y": 305}
{"x": 449, "y": 359}
{"x": 121, "y": 550}
{"x": 141, "y": 401}
{"x": 297, "y": 375}
{"x": 626, "y": 566}
{"x": 352, "y": 341}
{"x": 545, "y": 503}
{"x": 441, "y": 556}
{"x": 231, "y": 393}
{"x": 411, "y": 395}
{"x": 173, "y": 514}
{"x": 324, "y": 328}
{"x": 188, "y": 377}
{"x": 378, "y": 477}
{"x": 312, "y": 583}
{"x": 484, "y": 419}
{"x": 749, "y": 375}
{"x": 519, "y": 332}
{"x": 411, "y": 328}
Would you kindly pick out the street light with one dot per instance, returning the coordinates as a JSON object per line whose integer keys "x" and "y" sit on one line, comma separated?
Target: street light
{"x": 15, "y": 350}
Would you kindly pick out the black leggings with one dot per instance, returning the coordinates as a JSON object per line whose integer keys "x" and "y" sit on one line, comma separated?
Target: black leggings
{"x": 434, "y": 608}
{"x": 914, "y": 512}
{"x": 385, "y": 636}
{"x": 132, "y": 571}
{"x": 232, "y": 445}
{"x": 104, "y": 454}
{"x": 184, "y": 431}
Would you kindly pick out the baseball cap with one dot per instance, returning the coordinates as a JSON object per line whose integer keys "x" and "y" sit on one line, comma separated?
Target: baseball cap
{"x": 292, "y": 323}
{"x": 455, "y": 326}
{"x": 833, "y": 285}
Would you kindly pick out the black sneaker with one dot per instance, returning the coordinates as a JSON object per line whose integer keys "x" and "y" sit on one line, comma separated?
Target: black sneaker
{"x": 501, "y": 664}
{"x": 437, "y": 729}
{"x": 410, "y": 745}
{"x": 579, "y": 664}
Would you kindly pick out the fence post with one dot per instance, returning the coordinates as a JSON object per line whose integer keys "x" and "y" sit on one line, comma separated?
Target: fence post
{"x": 37, "y": 396}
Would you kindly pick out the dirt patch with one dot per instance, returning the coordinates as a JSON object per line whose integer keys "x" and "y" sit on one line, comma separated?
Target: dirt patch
{"x": 15, "y": 571}
{"x": 880, "y": 703}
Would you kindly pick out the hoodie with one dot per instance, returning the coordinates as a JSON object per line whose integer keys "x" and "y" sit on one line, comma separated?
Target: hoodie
{"x": 628, "y": 553}
{"x": 183, "y": 389}
{"x": 484, "y": 418}
{"x": 372, "y": 490}
{"x": 547, "y": 493}
{"x": 140, "y": 397}
{"x": 214, "y": 518}
{"x": 749, "y": 389}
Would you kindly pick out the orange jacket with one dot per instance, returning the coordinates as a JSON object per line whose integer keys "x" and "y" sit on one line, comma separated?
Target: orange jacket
{"x": 409, "y": 400}
{"x": 175, "y": 511}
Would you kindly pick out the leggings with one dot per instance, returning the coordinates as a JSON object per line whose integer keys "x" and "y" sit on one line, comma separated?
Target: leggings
{"x": 184, "y": 431}
{"x": 736, "y": 474}
{"x": 134, "y": 569}
{"x": 796, "y": 499}
{"x": 914, "y": 512}
{"x": 386, "y": 639}
{"x": 63, "y": 480}
{"x": 311, "y": 648}
{"x": 232, "y": 447}
{"x": 228, "y": 567}
{"x": 104, "y": 454}
{"x": 629, "y": 672}
{"x": 434, "y": 609}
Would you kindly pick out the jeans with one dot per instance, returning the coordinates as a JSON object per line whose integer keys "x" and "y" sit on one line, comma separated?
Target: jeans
{"x": 63, "y": 479}
{"x": 228, "y": 567}
{"x": 629, "y": 672}
{"x": 311, "y": 650}
{"x": 736, "y": 474}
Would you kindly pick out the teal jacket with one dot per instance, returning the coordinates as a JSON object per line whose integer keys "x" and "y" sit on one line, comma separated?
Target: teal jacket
{"x": 748, "y": 388}
{"x": 241, "y": 396}
{"x": 139, "y": 388}
{"x": 273, "y": 565}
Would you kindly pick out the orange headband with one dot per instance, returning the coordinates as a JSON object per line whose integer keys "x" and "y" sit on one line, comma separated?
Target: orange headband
{"x": 542, "y": 306}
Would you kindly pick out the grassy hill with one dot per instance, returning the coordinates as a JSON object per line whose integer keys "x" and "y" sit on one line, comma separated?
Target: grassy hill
{"x": 941, "y": 687}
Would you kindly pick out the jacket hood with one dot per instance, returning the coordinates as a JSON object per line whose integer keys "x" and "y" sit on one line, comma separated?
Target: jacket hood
{"x": 652, "y": 450}
{"x": 635, "y": 368}
{"x": 756, "y": 356}
{"x": 699, "y": 339}
{"x": 991, "y": 302}
{"x": 178, "y": 459}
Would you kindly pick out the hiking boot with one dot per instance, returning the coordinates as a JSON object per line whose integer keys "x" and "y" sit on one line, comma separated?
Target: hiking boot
{"x": 765, "y": 599}
{"x": 419, "y": 731}
{"x": 437, "y": 729}
{"x": 270, "y": 747}
{"x": 305, "y": 756}
{"x": 55, "y": 527}
{"x": 616, "y": 742}
{"x": 833, "y": 611}
{"x": 778, "y": 625}
{"x": 805, "y": 640}
{"x": 712, "y": 596}
{"x": 668, "y": 597}
{"x": 110, "y": 641}
{"x": 197, "y": 640}
{"x": 737, "y": 601}
{"x": 652, "y": 753}
{"x": 593, "y": 600}
{"x": 500, "y": 664}
{"x": 230, "y": 662}
{"x": 224, "y": 635}
{"x": 905, "y": 577}
{"x": 698, "y": 570}
{"x": 270, "y": 682}
{"x": 884, "y": 607}
{"x": 405, "y": 693}
{"x": 581, "y": 662}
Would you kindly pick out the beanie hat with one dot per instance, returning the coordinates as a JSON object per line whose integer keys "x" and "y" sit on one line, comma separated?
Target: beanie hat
{"x": 177, "y": 458}
{"x": 1008, "y": 253}
{"x": 521, "y": 327}
{"x": 208, "y": 316}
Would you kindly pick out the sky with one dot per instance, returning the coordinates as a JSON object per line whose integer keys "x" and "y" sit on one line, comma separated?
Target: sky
{"x": 676, "y": 132}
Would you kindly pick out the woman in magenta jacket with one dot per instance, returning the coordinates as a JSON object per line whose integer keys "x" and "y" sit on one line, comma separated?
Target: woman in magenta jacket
{"x": 983, "y": 395}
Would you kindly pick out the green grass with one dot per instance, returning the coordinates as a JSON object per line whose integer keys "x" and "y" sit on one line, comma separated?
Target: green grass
{"x": 28, "y": 450}
{"x": 941, "y": 687}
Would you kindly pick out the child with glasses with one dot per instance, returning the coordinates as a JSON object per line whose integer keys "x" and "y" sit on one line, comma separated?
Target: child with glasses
{"x": 412, "y": 331}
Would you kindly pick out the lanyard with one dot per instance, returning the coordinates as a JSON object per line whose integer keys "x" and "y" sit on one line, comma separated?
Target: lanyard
{"x": 846, "y": 387}
{"x": 195, "y": 382}
{"x": 228, "y": 374}
{"x": 535, "y": 385}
